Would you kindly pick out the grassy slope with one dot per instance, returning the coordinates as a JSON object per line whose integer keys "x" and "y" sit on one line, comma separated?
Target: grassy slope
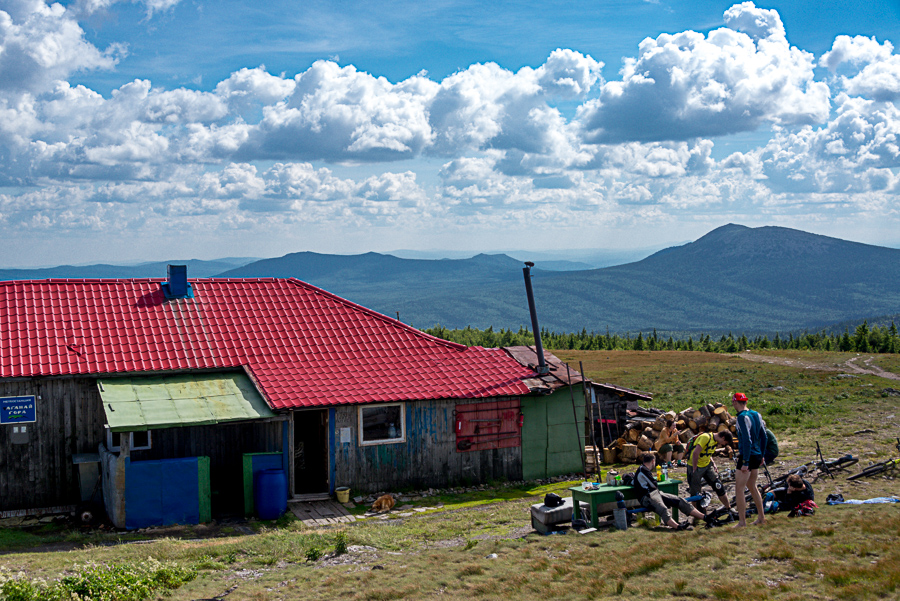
{"x": 843, "y": 552}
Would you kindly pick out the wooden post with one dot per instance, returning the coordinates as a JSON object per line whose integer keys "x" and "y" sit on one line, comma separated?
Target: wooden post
{"x": 575, "y": 416}
{"x": 591, "y": 420}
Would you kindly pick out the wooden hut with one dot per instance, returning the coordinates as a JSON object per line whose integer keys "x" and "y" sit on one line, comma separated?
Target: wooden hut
{"x": 153, "y": 370}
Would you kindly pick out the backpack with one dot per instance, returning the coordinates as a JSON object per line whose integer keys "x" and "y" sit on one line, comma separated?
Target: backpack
{"x": 689, "y": 448}
{"x": 771, "y": 450}
{"x": 553, "y": 500}
{"x": 804, "y": 508}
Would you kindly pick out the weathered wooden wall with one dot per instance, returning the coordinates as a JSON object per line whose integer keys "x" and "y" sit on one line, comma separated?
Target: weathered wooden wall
{"x": 428, "y": 458}
{"x": 609, "y": 406}
{"x": 70, "y": 420}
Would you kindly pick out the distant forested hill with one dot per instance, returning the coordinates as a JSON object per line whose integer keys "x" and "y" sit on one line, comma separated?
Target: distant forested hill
{"x": 196, "y": 269}
{"x": 734, "y": 278}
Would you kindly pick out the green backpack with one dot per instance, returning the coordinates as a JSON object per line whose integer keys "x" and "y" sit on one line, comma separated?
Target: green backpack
{"x": 692, "y": 443}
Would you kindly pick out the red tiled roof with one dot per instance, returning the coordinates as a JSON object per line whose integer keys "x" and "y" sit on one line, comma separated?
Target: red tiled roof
{"x": 303, "y": 346}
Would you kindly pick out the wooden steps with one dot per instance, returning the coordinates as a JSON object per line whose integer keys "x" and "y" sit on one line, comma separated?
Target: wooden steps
{"x": 320, "y": 513}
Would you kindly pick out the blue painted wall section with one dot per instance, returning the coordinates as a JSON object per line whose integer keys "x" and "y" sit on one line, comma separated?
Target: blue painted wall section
{"x": 162, "y": 492}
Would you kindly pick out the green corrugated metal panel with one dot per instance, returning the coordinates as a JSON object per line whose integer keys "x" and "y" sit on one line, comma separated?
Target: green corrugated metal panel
{"x": 144, "y": 403}
{"x": 205, "y": 489}
{"x": 559, "y": 407}
{"x": 563, "y": 463}
{"x": 551, "y": 442}
{"x": 534, "y": 438}
{"x": 562, "y": 438}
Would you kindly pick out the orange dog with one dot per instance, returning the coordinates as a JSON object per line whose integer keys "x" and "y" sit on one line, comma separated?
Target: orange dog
{"x": 383, "y": 504}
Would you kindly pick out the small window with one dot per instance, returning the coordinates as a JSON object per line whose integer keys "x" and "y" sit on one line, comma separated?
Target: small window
{"x": 382, "y": 424}
{"x": 137, "y": 441}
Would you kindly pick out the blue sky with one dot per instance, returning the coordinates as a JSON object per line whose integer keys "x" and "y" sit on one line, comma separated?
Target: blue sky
{"x": 158, "y": 129}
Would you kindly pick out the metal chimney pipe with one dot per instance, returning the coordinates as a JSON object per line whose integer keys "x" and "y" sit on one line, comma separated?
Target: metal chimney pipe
{"x": 542, "y": 363}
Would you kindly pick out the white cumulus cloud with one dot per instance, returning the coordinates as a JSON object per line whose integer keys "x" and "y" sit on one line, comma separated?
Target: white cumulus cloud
{"x": 688, "y": 85}
{"x": 42, "y": 43}
{"x": 877, "y": 68}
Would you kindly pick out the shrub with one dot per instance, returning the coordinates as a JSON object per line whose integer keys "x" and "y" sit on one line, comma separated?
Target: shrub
{"x": 340, "y": 542}
{"x": 127, "y": 582}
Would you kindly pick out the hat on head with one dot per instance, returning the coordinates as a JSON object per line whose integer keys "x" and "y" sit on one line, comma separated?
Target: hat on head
{"x": 739, "y": 397}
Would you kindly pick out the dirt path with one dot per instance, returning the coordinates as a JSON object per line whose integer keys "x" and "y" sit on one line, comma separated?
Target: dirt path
{"x": 870, "y": 368}
{"x": 849, "y": 366}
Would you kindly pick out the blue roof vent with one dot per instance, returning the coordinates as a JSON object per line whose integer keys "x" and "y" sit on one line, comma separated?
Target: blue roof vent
{"x": 177, "y": 286}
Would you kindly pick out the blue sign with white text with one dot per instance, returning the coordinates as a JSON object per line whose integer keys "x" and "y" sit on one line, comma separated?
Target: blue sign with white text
{"x": 17, "y": 410}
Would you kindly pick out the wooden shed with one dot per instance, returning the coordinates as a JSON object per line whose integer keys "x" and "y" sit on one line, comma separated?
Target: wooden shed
{"x": 609, "y": 410}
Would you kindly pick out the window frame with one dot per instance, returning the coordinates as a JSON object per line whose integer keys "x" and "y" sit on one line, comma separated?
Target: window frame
{"x": 360, "y": 430}
{"x": 131, "y": 447}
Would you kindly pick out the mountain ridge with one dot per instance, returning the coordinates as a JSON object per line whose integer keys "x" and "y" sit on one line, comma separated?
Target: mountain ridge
{"x": 733, "y": 278}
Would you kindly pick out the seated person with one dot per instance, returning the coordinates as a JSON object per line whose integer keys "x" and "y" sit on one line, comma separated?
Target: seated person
{"x": 668, "y": 443}
{"x": 651, "y": 497}
{"x": 795, "y": 491}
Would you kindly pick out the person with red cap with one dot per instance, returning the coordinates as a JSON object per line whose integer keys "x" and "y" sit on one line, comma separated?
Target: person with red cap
{"x": 751, "y": 445}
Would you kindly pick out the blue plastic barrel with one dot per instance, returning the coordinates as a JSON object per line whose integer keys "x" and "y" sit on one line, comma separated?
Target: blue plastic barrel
{"x": 270, "y": 493}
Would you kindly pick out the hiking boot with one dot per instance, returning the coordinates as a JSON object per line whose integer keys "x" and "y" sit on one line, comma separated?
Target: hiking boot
{"x": 684, "y": 526}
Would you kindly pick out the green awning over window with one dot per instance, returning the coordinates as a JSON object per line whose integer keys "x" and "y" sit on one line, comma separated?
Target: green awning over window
{"x": 153, "y": 402}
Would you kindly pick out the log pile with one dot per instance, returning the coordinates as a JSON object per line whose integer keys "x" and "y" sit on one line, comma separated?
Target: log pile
{"x": 644, "y": 425}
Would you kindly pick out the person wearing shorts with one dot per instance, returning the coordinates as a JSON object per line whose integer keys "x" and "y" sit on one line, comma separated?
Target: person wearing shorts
{"x": 751, "y": 445}
{"x": 668, "y": 443}
{"x": 701, "y": 467}
{"x": 651, "y": 497}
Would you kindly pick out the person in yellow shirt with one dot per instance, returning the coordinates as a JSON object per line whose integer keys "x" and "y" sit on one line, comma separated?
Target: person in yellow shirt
{"x": 701, "y": 466}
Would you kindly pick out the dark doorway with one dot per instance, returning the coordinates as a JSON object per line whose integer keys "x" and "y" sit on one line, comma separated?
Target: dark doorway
{"x": 310, "y": 452}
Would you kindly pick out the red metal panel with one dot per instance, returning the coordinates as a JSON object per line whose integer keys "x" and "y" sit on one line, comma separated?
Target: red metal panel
{"x": 488, "y": 425}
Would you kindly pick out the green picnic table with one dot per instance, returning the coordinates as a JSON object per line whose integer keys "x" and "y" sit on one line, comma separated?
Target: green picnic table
{"x": 602, "y": 501}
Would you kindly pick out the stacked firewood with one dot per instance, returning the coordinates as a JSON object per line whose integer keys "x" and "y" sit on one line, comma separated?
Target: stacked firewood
{"x": 644, "y": 425}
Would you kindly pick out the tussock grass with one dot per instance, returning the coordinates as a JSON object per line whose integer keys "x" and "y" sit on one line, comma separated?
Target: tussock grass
{"x": 841, "y": 552}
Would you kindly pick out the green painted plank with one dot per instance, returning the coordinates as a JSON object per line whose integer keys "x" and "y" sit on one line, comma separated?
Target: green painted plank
{"x": 205, "y": 488}
{"x": 248, "y": 484}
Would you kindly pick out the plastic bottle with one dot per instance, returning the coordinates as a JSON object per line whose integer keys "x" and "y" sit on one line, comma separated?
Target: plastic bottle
{"x": 620, "y": 517}
{"x": 658, "y": 474}
{"x": 665, "y": 473}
